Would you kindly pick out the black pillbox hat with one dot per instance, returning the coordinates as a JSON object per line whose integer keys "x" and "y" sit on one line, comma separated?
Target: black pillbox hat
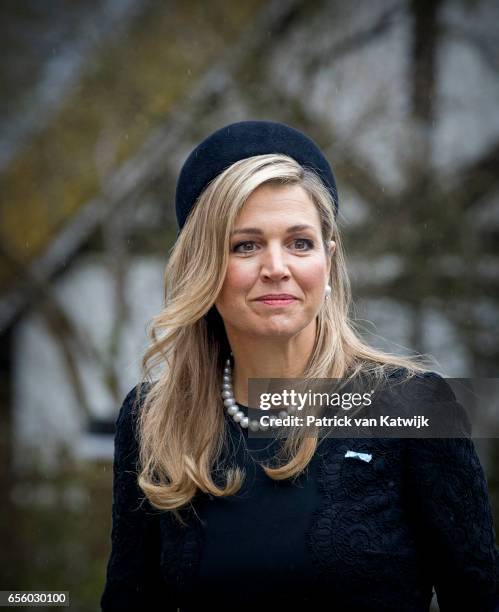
{"x": 238, "y": 141}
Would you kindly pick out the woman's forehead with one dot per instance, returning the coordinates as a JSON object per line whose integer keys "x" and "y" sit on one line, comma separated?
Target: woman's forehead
{"x": 290, "y": 203}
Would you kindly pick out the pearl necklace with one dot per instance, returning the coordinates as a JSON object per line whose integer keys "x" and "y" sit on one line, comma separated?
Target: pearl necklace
{"x": 233, "y": 407}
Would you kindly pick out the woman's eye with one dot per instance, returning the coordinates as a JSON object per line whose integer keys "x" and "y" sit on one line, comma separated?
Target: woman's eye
{"x": 236, "y": 247}
{"x": 307, "y": 242}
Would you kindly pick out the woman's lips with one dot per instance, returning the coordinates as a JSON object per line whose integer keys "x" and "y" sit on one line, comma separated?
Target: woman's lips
{"x": 278, "y": 302}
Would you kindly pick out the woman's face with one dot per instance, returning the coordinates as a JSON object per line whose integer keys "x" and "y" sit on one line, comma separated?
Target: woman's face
{"x": 268, "y": 255}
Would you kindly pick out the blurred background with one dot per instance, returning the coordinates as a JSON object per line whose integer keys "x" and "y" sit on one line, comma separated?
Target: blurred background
{"x": 102, "y": 102}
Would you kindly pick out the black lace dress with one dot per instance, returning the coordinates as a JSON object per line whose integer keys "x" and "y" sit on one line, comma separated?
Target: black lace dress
{"x": 346, "y": 535}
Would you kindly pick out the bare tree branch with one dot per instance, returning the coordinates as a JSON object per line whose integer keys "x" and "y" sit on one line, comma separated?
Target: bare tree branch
{"x": 67, "y": 336}
{"x": 425, "y": 42}
{"x": 357, "y": 41}
{"x": 476, "y": 180}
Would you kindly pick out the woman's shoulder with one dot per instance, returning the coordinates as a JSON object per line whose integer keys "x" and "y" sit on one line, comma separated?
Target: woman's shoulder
{"x": 435, "y": 397}
{"x": 404, "y": 372}
{"x": 426, "y": 384}
{"x": 126, "y": 421}
{"x": 133, "y": 400}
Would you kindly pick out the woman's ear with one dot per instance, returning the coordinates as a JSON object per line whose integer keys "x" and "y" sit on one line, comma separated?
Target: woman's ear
{"x": 332, "y": 246}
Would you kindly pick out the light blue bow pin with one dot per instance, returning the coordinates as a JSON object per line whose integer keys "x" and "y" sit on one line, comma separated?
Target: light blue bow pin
{"x": 364, "y": 456}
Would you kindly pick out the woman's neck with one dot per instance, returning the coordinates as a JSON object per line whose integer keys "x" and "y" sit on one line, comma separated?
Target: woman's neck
{"x": 268, "y": 360}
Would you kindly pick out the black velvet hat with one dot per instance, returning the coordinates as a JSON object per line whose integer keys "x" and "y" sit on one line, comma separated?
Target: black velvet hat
{"x": 239, "y": 141}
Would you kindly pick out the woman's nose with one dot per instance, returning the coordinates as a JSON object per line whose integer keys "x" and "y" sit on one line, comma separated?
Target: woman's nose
{"x": 275, "y": 262}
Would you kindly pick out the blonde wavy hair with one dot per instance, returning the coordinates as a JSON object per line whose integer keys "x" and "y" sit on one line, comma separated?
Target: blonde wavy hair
{"x": 178, "y": 450}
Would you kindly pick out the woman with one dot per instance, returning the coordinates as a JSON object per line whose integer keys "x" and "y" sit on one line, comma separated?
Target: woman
{"x": 207, "y": 514}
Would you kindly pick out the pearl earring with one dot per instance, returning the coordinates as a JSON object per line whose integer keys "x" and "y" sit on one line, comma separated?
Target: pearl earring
{"x": 328, "y": 291}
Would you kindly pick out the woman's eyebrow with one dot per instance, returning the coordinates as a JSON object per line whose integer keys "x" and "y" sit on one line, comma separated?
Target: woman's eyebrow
{"x": 255, "y": 230}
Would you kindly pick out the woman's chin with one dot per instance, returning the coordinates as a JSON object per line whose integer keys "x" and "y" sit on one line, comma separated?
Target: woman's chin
{"x": 280, "y": 329}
